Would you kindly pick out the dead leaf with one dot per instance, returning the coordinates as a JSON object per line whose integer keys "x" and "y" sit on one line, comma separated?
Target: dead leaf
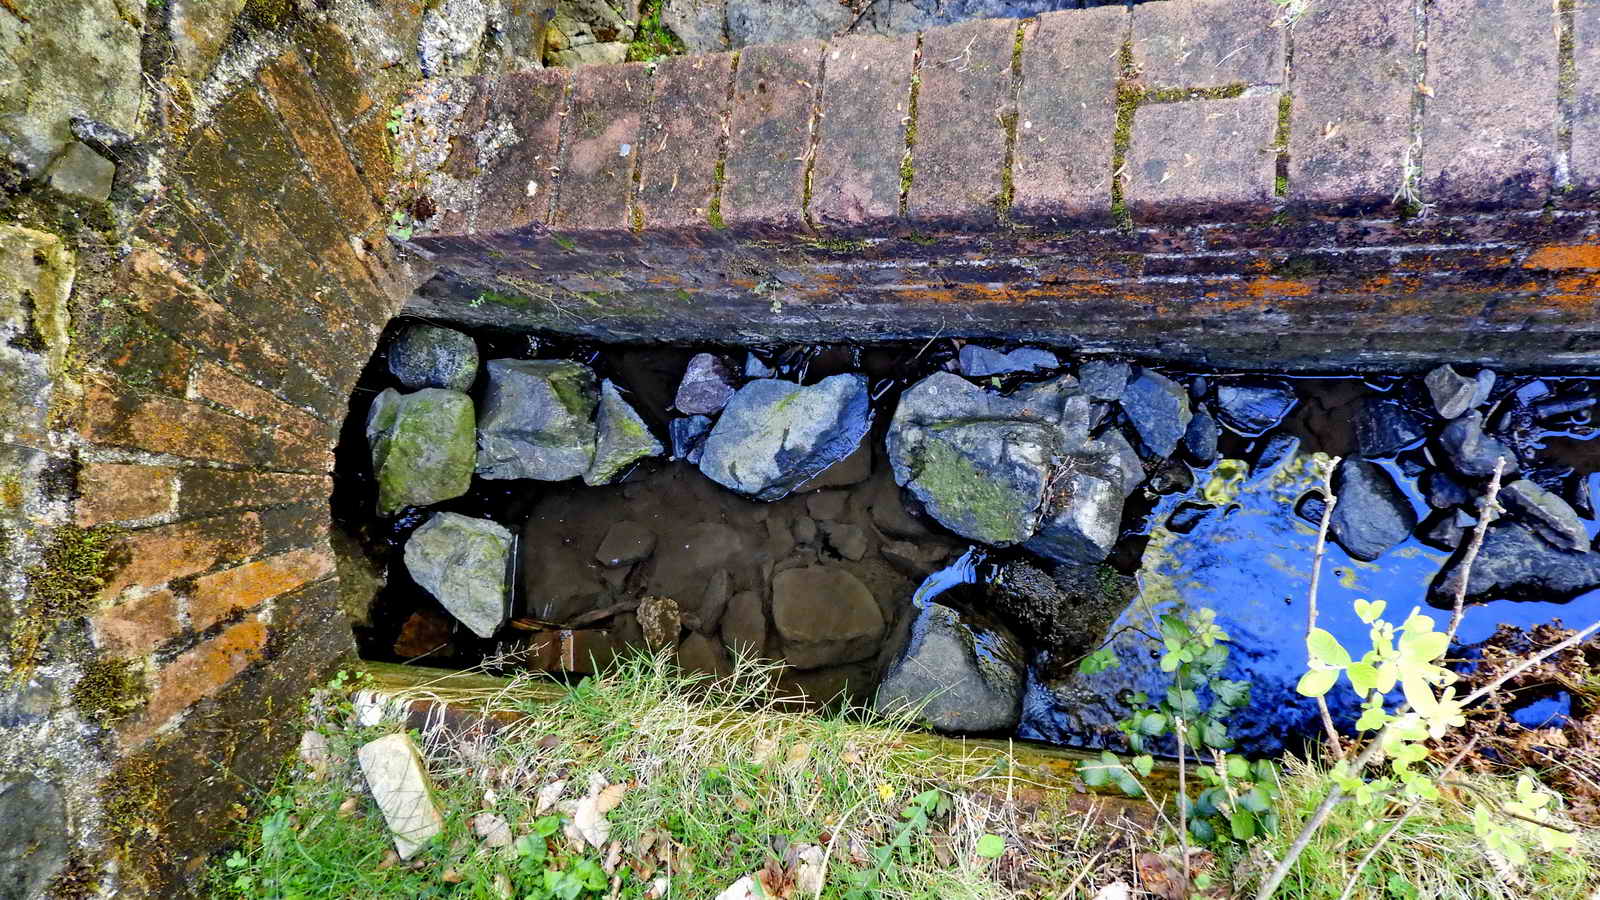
{"x": 1425, "y": 90}
{"x": 314, "y": 754}
{"x": 492, "y": 830}
{"x": 810, "y": 870}
{"x": 658, "y": 889}
{"x": 743, "y": 889}
{"x": 1162, "y": 877}
{"x": 589, "y": 818}
{"x": 851, "y": 757}
{"x": 610, "y": 797}
{"x": 490, "y": 799}
{"x": 613, "y": 857}
{"x": 348, "y": 807}
{"x": 548, "y": 795}
{"x": 450, "y": 876}
{"x": 797, "y": 756}
{"x": 502, "y": 885}
{"x": 762, "y": 750}
{"x": 389, "y": 858}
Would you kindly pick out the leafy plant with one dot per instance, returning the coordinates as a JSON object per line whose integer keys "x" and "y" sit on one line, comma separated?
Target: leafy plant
{"x": 919, "y": 814}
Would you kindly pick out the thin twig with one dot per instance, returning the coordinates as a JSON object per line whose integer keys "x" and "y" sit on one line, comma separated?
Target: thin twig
{"x": 1487, "y": 513}
{"x": 1576, "y": 638}
{"x": 1183, "y": 803}
{"x": 1501, "y": 808}
{"x": 1328, "y": 502}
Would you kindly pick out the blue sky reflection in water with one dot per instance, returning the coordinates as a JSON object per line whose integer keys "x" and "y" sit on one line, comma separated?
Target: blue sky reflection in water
{"x": 1250, "y": 560}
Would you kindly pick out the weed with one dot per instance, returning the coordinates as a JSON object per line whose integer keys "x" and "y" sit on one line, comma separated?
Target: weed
{"x": 653, "y": 39}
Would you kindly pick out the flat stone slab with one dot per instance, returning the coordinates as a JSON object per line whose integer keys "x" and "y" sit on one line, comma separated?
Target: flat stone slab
{"x": 1202, "y": 159}
{"x": 855, "y": 179}
{"x": 399, "y": 784}
{"x": 1207, "y": 43}
{"x": 965, "y": 78}
{"x": 769, "y": 136}
{"x": 603, "y": 125}
{"x": 677, "y": 174}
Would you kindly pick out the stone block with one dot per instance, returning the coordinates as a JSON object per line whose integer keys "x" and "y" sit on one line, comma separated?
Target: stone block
{"x": 1211, "y": 159}
{"x": 677, "y": 174}
{"x": 242, "y": 160}
{"x": 199, "y": 28}
{"x": 114, "y": 492}
{"x": 769, "y": 137}
{"x": 1067, "y": 116}
{"x": 866, "y": 104}
{"x": 214, "y": 383}
{"x": 602, "y": 147}
{"x": 36, "y": 275}
{"x": 288, "y": 82}
{"x": 195, "y": 674}
{"x": 203, "y": 490}
{"x": 399, "y": 784}
{"x": 219, "y": 595}
{"x": 137, "y": 625}
{"x": 115, "y": 416}
{"x": 82, "y": 172}
{"x": 1489, "y": 128}
{"x": 191, "y": 238}
{"x": 1585, "y": 158}
{"x": 1350, "y": 122}
{"x": 518, "y": 152}
{"x": 962, "y": 102}
{"x": 1207, "y": 43}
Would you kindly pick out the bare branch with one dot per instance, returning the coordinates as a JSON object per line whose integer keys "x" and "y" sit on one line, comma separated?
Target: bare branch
{"x": 1328, "y": 503}
{"x": 1488, "y": 512}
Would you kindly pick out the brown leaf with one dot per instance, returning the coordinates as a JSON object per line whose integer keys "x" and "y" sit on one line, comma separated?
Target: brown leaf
{"x": 1160, "y": 876}
{"x": 450, "y": 876}
{"x": 610, "y": 797}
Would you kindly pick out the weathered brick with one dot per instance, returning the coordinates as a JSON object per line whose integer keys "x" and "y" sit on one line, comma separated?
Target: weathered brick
{"x": 518, "y": 180}
{"x": 1207, "y": 43}
{"x": 288, "y": 527}
{"x": 603, "y": 128}
{"x": 1067, "y": 116}
{"x": 152, "y": 557}
{"x": 117, "y": 417}
{"x": 680, "y": 144}
{"x": 373, "y": 159}
{"x": 1585, "y": 156}
{"x": 326, "y": 50}
{"x": 241, "y": 160}
{"x": 1564, "y": 256}
{"x": 189, "y": 236}
{"x": 219, "y": 595}
{"x": 1489, "y": 128}
{"x": 128, "y": 346}
{"x": 114, "y": 492}
{"x": 287, "y": 81}
{"x": 313, "y": 319}
{"x": 137, "y": 625}
{"x": 769, "y": 135}
{"x": 1202, "y": 159}
{"x": 962, "y": 102}
{"x": 861, "y": 140}
{"x": 195, "y": 674}
{"x": 1350, "y": 121}
{"x": 212, "y": 382}
{"x": 202, "y": 491}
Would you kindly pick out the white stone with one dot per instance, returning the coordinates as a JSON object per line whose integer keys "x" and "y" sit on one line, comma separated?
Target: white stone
{"x": 399, "y": 783}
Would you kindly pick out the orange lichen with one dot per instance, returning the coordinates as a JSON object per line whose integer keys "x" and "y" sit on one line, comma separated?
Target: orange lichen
{"x": 1564, "y": 256}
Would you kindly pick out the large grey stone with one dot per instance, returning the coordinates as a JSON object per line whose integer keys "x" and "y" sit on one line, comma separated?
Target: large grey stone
{"x": 621, "y": 437}
{"x": 1547, "y": 515}
{"x": 1104, "y": 379}
{"x": 825, "y": 616}
{"x": 981, "y": 362}
{"x": 1471, "y": 451}
{"x": 962, "y": 673}
{"x": 700, "y": 24}
{"x": 1159, "y": 410}
{"x": 33, "y": 836}
{"x": 1372, "y": 515}
{"x": 462, "y": 562}
{"x": 1200, "y": 438}
{"x": 82, "y": 172}
{"x": 538, "y": 420}
{"x": 429, "y": 356}
{"x": 1253, "y": 408}
{"x": 422, "y": 447}
{"x": 1516, "y": 564}
{"x": 774, "y": 435}
{"x": 1082, "y": 507}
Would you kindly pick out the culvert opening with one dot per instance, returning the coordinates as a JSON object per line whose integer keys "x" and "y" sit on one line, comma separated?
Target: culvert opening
{"x": 950, "y": 522}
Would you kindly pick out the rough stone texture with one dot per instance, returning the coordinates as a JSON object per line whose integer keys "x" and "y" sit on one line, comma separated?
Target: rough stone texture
{"x": 744, "y": 625}
{"x": 33, "y": 836}
{"x": 517, "y": 147}
{"x": 1207, "y": 43}
{"x": 1104, "y": 379}
{"x": 1488, "y": 131}
{"x": 36, "y": 275}
{"x": 602, "y": 147}
{"x": 963, "y": 673}
{"x": 1159, "y": 410}
{"x": 677, "y": 174}
{"x": 775, "y": 21}
{"x": 462, "y": 562}
{"x": 825, "y": 616}
{"x": 1372, "y": 515}
{"x": 769, "y": 137}
{"x": 1066, "y": 109}
{"x": 966, "y": 78}
{"x": 774, "y": 435}
{"x": 429, "y": 356}
{"x": 625, "y": 544}
{"x": 855, "y": 180}
{"x": 399, "y": 784}
{"x": 1202, "y": 158}
{"x": 1585, "y": 155}
{"x": 1545, "y": 514}
{"x": 702, "y": 25}
{"x": 1385, "y": 426}
{"x": 1252, "y": 408}
{"x": 1083, "y": 516}
{"x": 422, "y": 447}
{"x": 1471, "y": 451}
{"x": 538, "y": 420}
{"x": 1516, "y": 564}
{"x": 621, "y": 437}
{"x": 1351, "y": 111}
{"x": 708, "y": 383}
{"x": 1451, "y": 392}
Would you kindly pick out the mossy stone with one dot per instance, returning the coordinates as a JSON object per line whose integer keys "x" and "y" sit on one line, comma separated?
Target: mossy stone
{"x": 622, "y": 438}
{"x": 423, "y": 447}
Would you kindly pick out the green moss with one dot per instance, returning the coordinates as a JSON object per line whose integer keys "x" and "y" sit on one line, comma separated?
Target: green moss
{"x": 1127, "y": 103}
{"x": 110, "y": 689}
{"x": 958, "y": 487}
{"x": 714, "y": 208}
{"x": 838, "y": 245}
{"x": 1178, "y": 95}
{"x": 268, "y": 13}
{"x": 653, "y": 39}
{"x": 131, "y": 797}
{"x": 574, "y": 388}
{"x": 907, "y": 168}
{"x": 564, "y": 242}
{"x": 683, "y": 295}
{"x": 61, "y": 587}
{"x": 922, "y": 240}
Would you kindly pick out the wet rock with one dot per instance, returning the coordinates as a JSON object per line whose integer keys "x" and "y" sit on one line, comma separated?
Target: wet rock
{"x": 714, "y": 602}
{"x": 1483, "y": 386}
{"x": 827, "y": 505}
{"x": 805, "y": 530}
{"x": 422, "y": 633}
{"x": 1516, "y": 564}
{"x": 708, "y": 384}
{"x": 1546, "y": 514}
{"x": 825, "y": 617}
{"x": 698, "y": 653}
{"x": 744, "y": 625}
{"x": 33, "y": 836}
{"x": 1188, "y": 515}
{"x": 964, "y": 673}
{"x": 621, "y": 438}
{"x": 661, "y": 621}
{"x": 1200, "y": 438}
{"x": 399, "y": 784}
{"x": 1471, "y": 451}
{"x": 1373, "y": 514}
{"x": 755, "y": 368}
{"x": 980, "y": 362}
{"x": 849, "y": 541}
{"x": 889, "y": 513}
{"x": 1445, "y": 529}
{"x": 1158, "y": 407}
{"x": 1452, "y": 392}
{"x": 1082, "y": 514}
{"x": 625, "y": 544}
{"x": 1253, "y": 409}
{"x": 1442, "y": 491}
{"x": 1127, "y": 457}
{"x": 422, "y": 447}
{"x": 1104, "y": 379}
{"x": 915, "y": 560}
{"x": 853, "y": 469}
{"x": 429, "y": 356}
{"x": 979, "y": 461}
{"x": 686, "y": 557}
{"x": 558, "y": 582}
{"x": 774, "y": 435}
{"x": 81, "y": 172}
{"x": 689, "y": 437}
{"x": 1066, "y": 614}
{"x": 1171, "y": 477}
{"x": 538, "y": 420}
{"x": 1384, "y": 427}
{"x": 1278, "y": 449}
{"x": 461, "y": 561}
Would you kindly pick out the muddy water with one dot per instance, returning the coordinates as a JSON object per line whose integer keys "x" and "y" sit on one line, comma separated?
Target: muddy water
{"x": 1235, "y": 536}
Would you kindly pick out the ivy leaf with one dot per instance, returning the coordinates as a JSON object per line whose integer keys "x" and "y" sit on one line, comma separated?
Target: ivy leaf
{"x": 1316, "y": 682}
{"x": 1369, "y": 610}
{"x": 991, "y": 846}
{"x": 1326, "y": 649}
{"x": 1098, "y": 661}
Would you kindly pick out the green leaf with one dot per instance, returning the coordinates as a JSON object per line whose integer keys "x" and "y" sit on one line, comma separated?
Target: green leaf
{"x": 1255, "y": 800}
{"x": 1231, "y": 693}
{"x": 1145, "y": 763}
{"x": 1098, "y": 661}
{"x": 1152, "y": 724}
{"x": 1424, "y": 647}
{"x": 1369, "y": 610}
{"x": 1243, "y": 824}
{"x": 1316, "y": 682}
{"x": 1215, "y": 735}
{"x": 1363, "y": 677}
{"x": 1202, "y": 831}
{"x": 1173, "y": 628}
{"x": 1326, "y": 649}
{"x": 991, "y": 846}
{"x": 1238, "y": 767}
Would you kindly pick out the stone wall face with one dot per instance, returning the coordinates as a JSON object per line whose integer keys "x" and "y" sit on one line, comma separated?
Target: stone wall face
{"x": 1190, "y": 180}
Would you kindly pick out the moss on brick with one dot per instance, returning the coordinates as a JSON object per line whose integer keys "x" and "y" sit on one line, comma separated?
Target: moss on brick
{"x": 132, "y": 799}
{"x": 62, "y": 586}
{"x": 110, "y": 689}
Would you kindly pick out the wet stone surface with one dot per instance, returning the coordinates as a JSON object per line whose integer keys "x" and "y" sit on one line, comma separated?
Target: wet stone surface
{"x": 895, "y": 530}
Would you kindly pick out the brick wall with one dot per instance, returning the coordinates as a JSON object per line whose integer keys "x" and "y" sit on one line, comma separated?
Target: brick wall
{"x": 1383, "y": 184}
